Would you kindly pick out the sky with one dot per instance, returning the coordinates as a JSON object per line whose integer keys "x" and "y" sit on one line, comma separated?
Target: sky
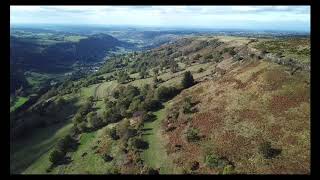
{"x": 292, "y": 18}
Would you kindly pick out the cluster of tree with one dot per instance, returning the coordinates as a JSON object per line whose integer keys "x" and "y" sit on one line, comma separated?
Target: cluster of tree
{"x": 129, "y": 100}
{"x": 229, "y": 50}
{"x": 86, "y": 119}
{"x": 174, "y": 67}
{"x": 93, "y": 80}
{"x": 64, "y": 145}
{"x": 123, "y": 77}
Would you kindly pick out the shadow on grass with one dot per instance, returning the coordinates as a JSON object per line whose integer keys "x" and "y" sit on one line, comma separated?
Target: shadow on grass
{"x": 146, "y": 129}
{"x": 146, "y": 134}
{"x": 36, "y": 142}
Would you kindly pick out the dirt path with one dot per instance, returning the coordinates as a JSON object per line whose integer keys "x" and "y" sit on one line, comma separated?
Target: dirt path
{"x": 156, "y": 156}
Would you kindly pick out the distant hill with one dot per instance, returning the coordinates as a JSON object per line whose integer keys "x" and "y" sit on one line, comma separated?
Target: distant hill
{"x": 97, "y": 46}
{"x": 56, "y": 56}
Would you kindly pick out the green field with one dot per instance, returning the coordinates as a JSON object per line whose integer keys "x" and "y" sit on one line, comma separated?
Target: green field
{"x": 19, "y": 102}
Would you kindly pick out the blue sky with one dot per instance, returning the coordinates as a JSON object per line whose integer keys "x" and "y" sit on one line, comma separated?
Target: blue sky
{"x": 294, "y": 18}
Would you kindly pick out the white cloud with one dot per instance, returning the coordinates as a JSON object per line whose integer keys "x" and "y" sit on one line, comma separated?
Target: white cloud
{"x": 204, "y": 16}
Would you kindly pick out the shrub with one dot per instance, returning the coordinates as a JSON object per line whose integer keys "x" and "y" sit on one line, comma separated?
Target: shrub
{"x": 194, "y": 166}
{"x": 188, "y": 106}
{"x": 267, "y": 151}
{"x": 148, "y": 117}
{"x": 232, "y": 52}
{"x": 197, "y": 56}
{"x": 135, "y": 105}
{"x": 113, "y": 133}
{"x": 66, "y": 144}
{"x": 143, "y": 74}
{"x": 123, "y": 77}
{"x": 77, "y": 118}
{"x": 174, "y": 67}
{"x": 187, "y": 80}
{"x": 228, "y": 169}
{"x": 151, "y": 105}
{"x": 107, "y": 158}
{"x": 208, "y": 56}
{"x": 112, "y": 115}
{"x": 82, "y": 126}
{"x": 85, "y": 109}
{"x": 93, "y": 120}
{"x": 200, "y": 70}
{"x": 139, "y": 143}
{"x": 153, "y": 171}
{"x": 193, "y": 135}
{"x": 166, "y": 93}
{"x": 213, "y": 161}
{"x": 56, "y": 156}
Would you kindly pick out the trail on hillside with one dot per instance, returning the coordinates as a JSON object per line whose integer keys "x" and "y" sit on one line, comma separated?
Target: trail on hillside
{"x": 95, "y": 90}
{"x": 156, "y": 156}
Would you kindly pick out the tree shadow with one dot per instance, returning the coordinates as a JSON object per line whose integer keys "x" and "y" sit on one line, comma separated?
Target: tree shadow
{"x": 151, "y": 118}
{"x": 146, "y": 129}
{"x": 273, "y": 152}
{"x": 146, "y": 134}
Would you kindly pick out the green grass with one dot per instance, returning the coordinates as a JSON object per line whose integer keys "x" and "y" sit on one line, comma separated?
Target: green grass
{"x": 19, "y": 102}
{"x": 155, "y": 156}
{"x": 88, "y": 91}
{"x": 31, "y": 151}
{"x": 91, "y": 163}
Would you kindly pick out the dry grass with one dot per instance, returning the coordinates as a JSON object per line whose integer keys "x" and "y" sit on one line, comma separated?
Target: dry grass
{"x": 250, "y": 104}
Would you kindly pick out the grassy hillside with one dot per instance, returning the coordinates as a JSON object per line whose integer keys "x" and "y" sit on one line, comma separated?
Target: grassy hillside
{"x": 244, "y": 114}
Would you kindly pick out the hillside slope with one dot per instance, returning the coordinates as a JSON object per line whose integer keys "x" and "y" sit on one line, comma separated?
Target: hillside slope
{"x": 247, "y": 113}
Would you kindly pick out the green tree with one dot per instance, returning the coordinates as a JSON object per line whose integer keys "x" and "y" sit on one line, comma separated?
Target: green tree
{"x": 166, "y": 93}
{"x": 143, "y": 73}
{"x": 56, "y": 156}
{"x": 123, "y": 77}
{"x": 174, "y": 67}
{"x": 113, "y": 133}
{"x": 65, "y": 143}
{"x": 82, "y": 127}
{"x": 155, "y": 71}
{"x": 187, "y": 80}
{"x": 93, "y": 120}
